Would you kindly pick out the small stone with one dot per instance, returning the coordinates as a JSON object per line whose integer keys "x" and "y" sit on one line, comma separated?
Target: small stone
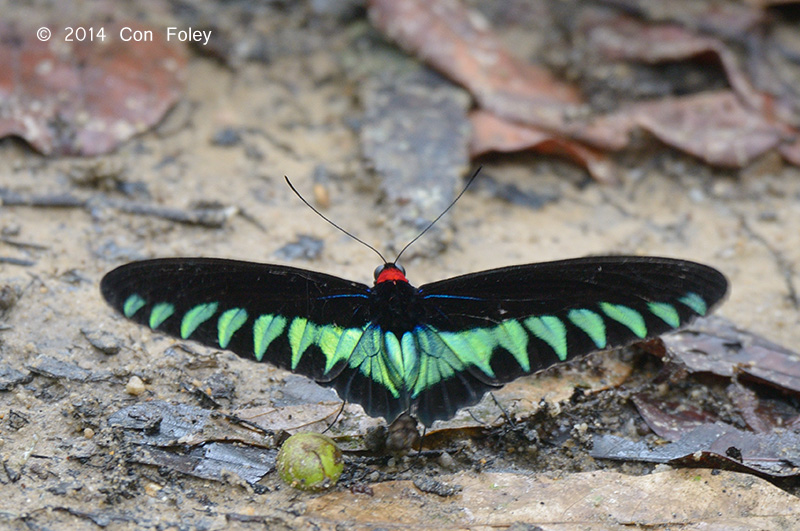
{"x": 135, "y": 386}
{"x": 105, "y": 342}
{"x": 151, "y": 489}
{"x": 446, "y": 461}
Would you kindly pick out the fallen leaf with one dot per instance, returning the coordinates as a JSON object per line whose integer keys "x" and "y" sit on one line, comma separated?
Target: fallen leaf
{"x": 85, "y": 98}
{"x": 459, "y": 43}
{"x": 717, "y": 346}
{"x": 762, "y": 415}
{"x": 713, "y": 126}
{"x": 718, "y": 445}
{"x": 722, "y": 128}
{"x": 670, "y": 420}
{"x": 624, "y": 38}
{"x": 492, "y": 133}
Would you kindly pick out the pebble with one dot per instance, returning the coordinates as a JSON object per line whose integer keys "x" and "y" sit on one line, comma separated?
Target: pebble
{"x": 135, "y": 386}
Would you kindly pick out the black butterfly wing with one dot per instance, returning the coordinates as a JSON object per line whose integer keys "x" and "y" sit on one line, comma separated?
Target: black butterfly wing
{"x": 393, "y": 348}
{"x": 280, "y": 314}
{"x": 491, "y": 327}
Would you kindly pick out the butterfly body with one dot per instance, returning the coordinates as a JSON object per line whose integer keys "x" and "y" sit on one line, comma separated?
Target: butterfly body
{"x": 427, "y": 350}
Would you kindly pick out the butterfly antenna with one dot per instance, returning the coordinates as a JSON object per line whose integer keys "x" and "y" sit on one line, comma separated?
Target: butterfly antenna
{"x": 336, "y": 418}
{"x": 432, "y": 223}
{"x": 320, "y": 214}
{"x": 505, "y": 413}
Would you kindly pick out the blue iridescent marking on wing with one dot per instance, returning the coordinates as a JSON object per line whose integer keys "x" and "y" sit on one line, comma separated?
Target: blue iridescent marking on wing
{"x": 343, "y": 296}
{"x": 456, "y": 297}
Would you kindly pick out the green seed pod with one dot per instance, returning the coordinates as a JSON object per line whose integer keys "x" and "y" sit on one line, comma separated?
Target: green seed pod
{"x": 310, "y": 461}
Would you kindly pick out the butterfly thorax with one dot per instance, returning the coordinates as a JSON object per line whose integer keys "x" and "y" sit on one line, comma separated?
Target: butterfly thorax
{"x": 390, "y": 272}
{"x": 396, "y": 306}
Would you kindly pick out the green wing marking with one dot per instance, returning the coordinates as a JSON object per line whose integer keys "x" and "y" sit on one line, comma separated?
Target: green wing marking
{"x": 197, "y": 316}
{"x": 132, "y": 304}
{"x": 469, "y": 347}
{"x": 552, "y": 331}
{"x": 627, "y": 316}
{"x": 369, "y": 358}
{"x": 266, "y": 329}
{"x": 160, "y": 313}
{"x": 695, "y": 302}
{"x": 301, "y": 336}
{"x": 229, "y": 322}
{"x": 438, "y": 360}
{"x": 346, "y": 344}
{"x": 665, "y": 312}
{"x": 591, "y": 323}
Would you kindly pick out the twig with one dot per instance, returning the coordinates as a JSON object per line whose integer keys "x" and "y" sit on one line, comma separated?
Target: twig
{"x": 784, "y": 265}
{"x": 9, "y": 198}
{"x": 208, "y": 217}
{"x": 16, "y": 261}
{"x": 24, "y": 245}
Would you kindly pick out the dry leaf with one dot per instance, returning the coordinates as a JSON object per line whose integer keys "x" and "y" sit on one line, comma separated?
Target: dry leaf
{"x": 85, "y": 98}
{"x": 492, "y": 133}
{"x": 714, "y": 126}
{"x": 715, "y": 345}
{"x": 721, "y": 128}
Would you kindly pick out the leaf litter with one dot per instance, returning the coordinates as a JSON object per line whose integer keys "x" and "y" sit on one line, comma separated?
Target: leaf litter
{"x": 523, "y": 105}
{"x": 116, "y": 89}
{"x": 698, "y": 437}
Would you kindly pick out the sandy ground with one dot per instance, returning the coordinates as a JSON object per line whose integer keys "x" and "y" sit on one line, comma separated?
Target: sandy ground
{"x": 295, "y": 113}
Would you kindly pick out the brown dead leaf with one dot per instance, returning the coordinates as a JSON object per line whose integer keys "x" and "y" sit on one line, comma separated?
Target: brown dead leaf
{"x": 762, "y": 415}
{"x": 459, "y": 43}
{"x": 722, "y": 128}
{"x": 670, "y": 420}
{"x": 715, "y": 445}
{"x": 713, "y": 126}
{"x": 715, "y": 345}
{"x": 492, "y": 133}
{"x": 624, "y": 38}
{"x": 84, "y": 98}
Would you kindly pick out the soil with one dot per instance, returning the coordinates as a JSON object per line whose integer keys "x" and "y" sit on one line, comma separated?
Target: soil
{"x": 64, "y": 465}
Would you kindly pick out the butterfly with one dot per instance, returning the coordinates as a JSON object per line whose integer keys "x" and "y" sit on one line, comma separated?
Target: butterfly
{"x": 430, "y": 350}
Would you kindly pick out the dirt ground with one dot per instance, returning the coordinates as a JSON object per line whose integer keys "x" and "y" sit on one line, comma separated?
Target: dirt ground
{"x": 65, "y": 466}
